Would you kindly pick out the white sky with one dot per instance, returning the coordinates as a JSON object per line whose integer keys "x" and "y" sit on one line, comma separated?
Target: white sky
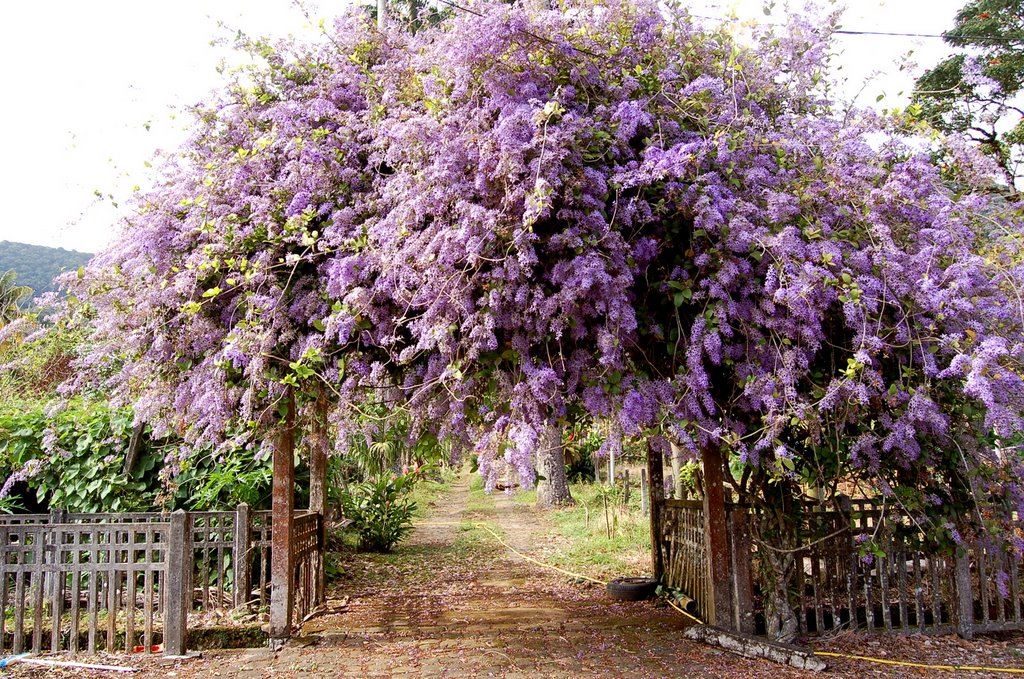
{"x": 82, "y": 79}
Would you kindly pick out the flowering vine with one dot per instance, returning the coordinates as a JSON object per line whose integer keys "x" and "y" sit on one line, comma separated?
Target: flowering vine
{"x": 608, "y": 210}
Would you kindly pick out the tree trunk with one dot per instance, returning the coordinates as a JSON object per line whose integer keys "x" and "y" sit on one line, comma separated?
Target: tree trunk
{"x": 282, "y": 575}
{"x": 677, "y": 473}
{"x": 777, "y": 529}
{"x": 780, "y": 619}
{"x": 553, "y": 489}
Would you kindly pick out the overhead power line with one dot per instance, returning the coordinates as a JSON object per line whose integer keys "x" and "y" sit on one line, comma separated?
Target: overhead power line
{"x": 892, "y": 34}
{"x": 994, "y": 38}
{"x": 581, "y": 50}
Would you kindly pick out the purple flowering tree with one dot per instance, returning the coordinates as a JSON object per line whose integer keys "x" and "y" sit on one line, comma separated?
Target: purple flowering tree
{"x": 607, "y": 212}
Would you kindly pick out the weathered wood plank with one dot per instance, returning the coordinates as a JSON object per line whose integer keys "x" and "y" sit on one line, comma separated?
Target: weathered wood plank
{"x": 716, "y": 534}
{"x": 656, "y": 473}
{"x": 282, "y": 594}
{"x": 179, "y": 591}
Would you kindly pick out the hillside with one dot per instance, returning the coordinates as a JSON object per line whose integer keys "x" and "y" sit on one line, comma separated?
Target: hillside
{"x": 36, "y": 266}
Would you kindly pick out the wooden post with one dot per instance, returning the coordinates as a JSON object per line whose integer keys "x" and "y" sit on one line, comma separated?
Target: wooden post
{"x": 964, "y": 595}
{"x": 743, "y": 582}
{"x": 178, "y": 600}
{"x": 716, "y": 535}
{"x": 645, "y": 498}
{"x": 282, "y": 595}
{"x": 240, "y": 553}
{"x": 625, "y": 487}
{"x": 657, "y": 485}
{"x": 318, "y": 490}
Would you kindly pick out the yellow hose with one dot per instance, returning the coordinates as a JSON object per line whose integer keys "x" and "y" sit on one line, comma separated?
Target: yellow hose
{"x": 904, "y": 663}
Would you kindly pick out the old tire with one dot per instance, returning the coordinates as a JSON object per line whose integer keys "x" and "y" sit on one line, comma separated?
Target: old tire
{"x": 632, "y": 589}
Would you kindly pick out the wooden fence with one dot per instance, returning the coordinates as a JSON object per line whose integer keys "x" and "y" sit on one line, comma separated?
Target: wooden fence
{"x": 121, "y": 581}
{"x": 907, "y": 586}
{"x": 836, "y": 583}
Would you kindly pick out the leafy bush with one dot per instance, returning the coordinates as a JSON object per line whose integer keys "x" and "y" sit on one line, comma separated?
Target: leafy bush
{"x": 74, "y": 458}
{"x": 220, "y": 478}
{"x": 379, "y": 510}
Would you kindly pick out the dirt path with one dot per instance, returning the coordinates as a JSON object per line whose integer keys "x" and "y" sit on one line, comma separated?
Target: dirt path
{"x": 453, "y": 602}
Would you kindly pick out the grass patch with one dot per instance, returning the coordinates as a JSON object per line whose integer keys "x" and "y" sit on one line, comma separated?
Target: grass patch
{"x": 470, "y": 535}
{"x": 526, "y": 497}
{"x": 602, "y": 543}
{"x": 426, "y": 492}
{"x": 479, "y": 504}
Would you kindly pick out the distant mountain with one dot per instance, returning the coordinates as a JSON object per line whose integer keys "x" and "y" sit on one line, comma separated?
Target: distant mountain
{"x": 36, "y": 266}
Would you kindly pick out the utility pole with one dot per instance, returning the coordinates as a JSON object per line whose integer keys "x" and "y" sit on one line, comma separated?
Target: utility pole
{"x": 382, "y": 10}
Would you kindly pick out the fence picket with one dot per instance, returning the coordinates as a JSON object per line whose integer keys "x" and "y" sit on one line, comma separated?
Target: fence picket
{"x": 3, "y": 607}
{"x": 147, "y": 611}
{"x": 980, "y": 558}
{"x": 73, "y": 564}
{"x": 37, "y": 610}
{"x": 92, "y": 606}
{"x": 901, "y": 584}
{"x": 19, "y": 612}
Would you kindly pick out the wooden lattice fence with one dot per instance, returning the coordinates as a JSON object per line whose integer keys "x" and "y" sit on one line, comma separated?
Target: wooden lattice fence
{"x": 118, "y": 581}
{"x": 909, "y": 585}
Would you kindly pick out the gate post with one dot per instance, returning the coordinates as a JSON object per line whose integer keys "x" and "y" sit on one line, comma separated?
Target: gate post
{"x": 282, "y": 571}
{"x": 716, "y": 538}
{"x": 179, "y": 583}
{"x": 964, "y": 595}
{"x": 657, "y": 488}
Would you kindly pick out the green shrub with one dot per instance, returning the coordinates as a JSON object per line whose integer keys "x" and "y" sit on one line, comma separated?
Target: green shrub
{"x": 73, "y": 458}
{"x": 379, "y": 510}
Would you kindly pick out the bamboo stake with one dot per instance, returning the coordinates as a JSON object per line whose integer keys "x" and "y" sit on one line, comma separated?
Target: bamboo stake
{"x": 63, "y": 663}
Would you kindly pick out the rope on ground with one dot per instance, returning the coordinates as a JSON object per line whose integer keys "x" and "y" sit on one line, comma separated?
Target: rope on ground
{"x": 536, "y": 561}
{"x": 883, "y": 661}
{"x": 904, "y": 663}
{"x": 579, "y": 576}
